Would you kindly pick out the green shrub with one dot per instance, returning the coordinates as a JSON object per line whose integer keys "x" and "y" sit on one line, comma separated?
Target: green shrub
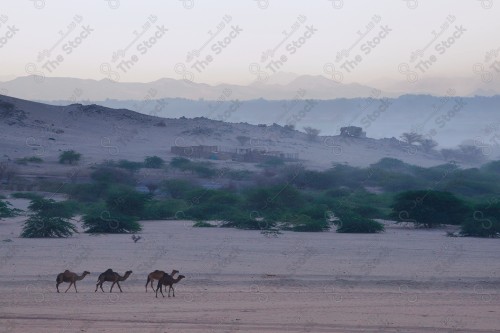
{"x": 161, "y": 210}
{"x": 240, "y": 220}
{"x": 129, "y": 165}
{"x": 354, "y": 223}
{"x": 180, "y": 163}
{"x": 153, "y": 162}
{"x": 87, "y": 192}
{"x": 202, "y": 224}
{"x": 305, "y": 223}
{"x": 26, "y": 195}
{"x": 483, "y": 222}
{"x": 49, "y": 219}
{"x": 69, "y": 156}
{"x": 99, "y": 219}
{"x": 26, "y": 160}
{"x": 113, "y": 175}
{"x": 429, "y": 208}
{"x": 177, "y": 188}
{"x": 125, "y": 200}
{"x": 6, "y": 211}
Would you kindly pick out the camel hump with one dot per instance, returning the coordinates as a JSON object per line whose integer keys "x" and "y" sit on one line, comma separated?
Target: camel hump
{"x": 66, "y": 271}
{"x": 109, "y": 270}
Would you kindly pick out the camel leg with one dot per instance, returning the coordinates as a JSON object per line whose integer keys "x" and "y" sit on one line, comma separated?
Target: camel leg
{"x": 147, "y": 282}
{"x": 57, "y": 286}
{"x": 97, "y": 285}
{"x": 111, "y": 289}
{"x": 153, "y": 288}
{"x": 74, "y": 285}
{"x": 159, "y": 286}
{"x": 118, "y": 284}
{"x": 101, "y": 286}
{"x": 69, "y": 286}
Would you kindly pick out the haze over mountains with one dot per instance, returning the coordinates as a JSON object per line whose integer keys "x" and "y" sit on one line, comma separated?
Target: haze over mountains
{"x": 280, "y": 86}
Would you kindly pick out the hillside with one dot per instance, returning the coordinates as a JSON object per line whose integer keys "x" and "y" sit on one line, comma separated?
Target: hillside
{"x": 99, "y": 133}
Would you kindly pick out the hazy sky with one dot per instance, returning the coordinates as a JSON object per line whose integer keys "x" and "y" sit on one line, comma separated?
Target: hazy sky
{"x": 241, "y": 39}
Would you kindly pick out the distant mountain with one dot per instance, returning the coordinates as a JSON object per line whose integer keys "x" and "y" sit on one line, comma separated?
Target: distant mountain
{"x": 48, "y": 88}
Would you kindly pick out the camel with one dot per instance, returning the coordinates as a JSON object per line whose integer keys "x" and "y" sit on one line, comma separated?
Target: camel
{"x": 156, "y": 275}
{"x": 70, "y": 277}
{"x": 111, "y": 276}
{"x": 167, "y": 280}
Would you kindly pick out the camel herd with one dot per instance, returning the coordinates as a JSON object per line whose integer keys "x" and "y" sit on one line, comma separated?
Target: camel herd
{"x": 164, "y": 279}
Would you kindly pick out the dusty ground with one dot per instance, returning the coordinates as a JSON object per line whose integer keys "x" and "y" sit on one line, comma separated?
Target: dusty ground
{"x": 401, "y": 281}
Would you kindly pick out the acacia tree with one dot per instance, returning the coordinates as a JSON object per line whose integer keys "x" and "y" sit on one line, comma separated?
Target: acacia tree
{"x": 411, "y": 138}
{"x": 118, "y": 214}
{"x": 49, "y": 219}
{"x": 312, "y": 133}
{"x": 429, "y": 208}
{"x": 69, "y": 156}
{"x": 428, "y": 144}
{"x": 153, "y": 162}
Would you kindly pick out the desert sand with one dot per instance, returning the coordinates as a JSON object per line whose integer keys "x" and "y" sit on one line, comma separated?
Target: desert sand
{"x": 403, "y": 280}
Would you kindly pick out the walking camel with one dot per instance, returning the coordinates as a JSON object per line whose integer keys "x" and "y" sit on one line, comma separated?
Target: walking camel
{"x": 167, "y": 280}
{"x": 70, "y": 277}
{"x": 111, "y": 276}
{"x": 156, "y": 275}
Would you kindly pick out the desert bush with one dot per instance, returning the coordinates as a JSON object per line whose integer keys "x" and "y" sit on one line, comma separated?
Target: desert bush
{"x": 283, "y": 196}
{"x": 429, "y": 208}
{"x": 350, "y": 222}
{"x": 129, "y": 165}
{"x": 203, "y": 170}
{"x": 177, "y": 188}
{"x": 69, "y": 156}
{"x": 484, "y": 221}
{"x": 164, "y": 209}
{"x": 6, "y": 211}
{"x": 119, "y": 213}
{"x": 26, "y": 195}
{"x": 26, "y": 160}
{"x": 312, "y": 133}
{"x": 180, "y": 163}
{"x": 241, "y": 220}
{"x": 113, "y": 175}
{"x": 99, "y": 219}
{"x": 153, "y": 162}
{"x": 125, "y": 200}
{"x": 49, "y": 219}
{"x": 89, "y": 192}
{"x": 202, "y": 224}
{"x": 305, "y": 223}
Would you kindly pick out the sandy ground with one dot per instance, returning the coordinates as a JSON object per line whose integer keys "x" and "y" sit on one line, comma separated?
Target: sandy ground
{"x": 403, "y": 280}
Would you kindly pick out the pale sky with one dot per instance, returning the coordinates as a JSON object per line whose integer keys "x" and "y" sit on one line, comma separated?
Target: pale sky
{"x": 80, "y": 38}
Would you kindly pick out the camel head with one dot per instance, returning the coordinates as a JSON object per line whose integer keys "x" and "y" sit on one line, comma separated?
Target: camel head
{"x": 86, "y": 273}
{"x": 180, "y": 277}
{"x": 174, "y": 271}
{"x": 127, "y": 274}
